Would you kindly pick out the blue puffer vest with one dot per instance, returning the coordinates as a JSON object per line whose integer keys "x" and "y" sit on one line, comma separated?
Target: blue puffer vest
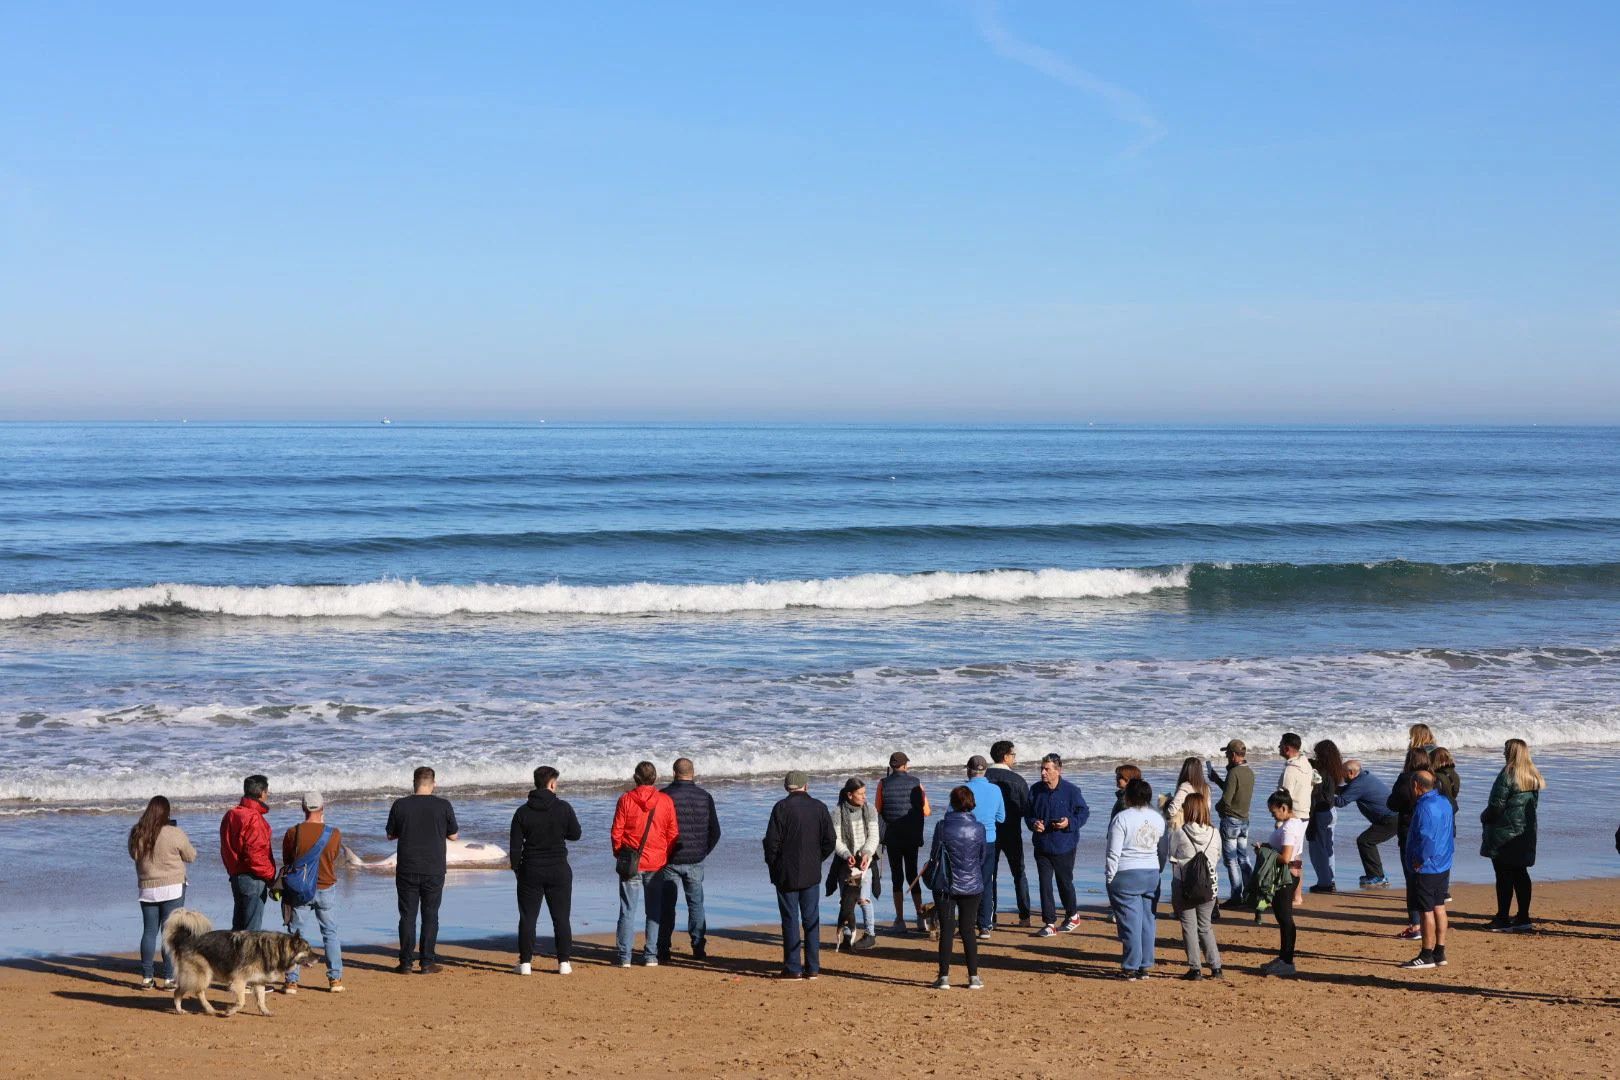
{"x": 962, "y": 837}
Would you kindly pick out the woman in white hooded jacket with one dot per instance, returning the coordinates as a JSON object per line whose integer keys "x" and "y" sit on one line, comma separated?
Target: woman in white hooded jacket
{"x": 855, "y": 833}
{"x": 1194, "y": 837}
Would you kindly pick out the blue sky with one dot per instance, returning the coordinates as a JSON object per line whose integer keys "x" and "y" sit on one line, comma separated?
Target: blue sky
{"x": 932, "y": 209}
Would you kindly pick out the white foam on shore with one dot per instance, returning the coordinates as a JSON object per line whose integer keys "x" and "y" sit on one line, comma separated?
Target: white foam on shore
{"x": 378, "y": 599}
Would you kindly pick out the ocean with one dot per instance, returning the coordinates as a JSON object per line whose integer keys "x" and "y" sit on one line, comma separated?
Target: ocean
{"x": 334, "y": 604}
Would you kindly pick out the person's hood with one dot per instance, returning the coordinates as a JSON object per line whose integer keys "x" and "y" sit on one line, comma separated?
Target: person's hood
{"x": 643, "y": 795}
{"x": 253, "y": 804}
{"x": 1199, "y": 833}
{"x": 542, "y": 799}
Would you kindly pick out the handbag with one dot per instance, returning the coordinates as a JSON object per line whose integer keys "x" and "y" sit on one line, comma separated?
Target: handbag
{"x": 937, "y": 874}
{"x": 628, "y": 863}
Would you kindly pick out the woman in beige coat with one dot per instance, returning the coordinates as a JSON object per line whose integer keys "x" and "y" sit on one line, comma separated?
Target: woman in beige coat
{"x": 161, "y": 851}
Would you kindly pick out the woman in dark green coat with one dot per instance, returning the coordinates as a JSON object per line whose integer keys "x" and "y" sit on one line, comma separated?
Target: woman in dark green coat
{"x": 1509, "y": 835}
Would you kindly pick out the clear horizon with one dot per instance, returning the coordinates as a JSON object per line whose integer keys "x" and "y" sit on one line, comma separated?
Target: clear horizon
{"x": 958, "y": 211}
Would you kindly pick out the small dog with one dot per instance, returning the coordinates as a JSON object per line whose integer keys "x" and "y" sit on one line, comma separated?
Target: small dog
{"x": 239, "y": 959}
{"x": 930, "y": 920}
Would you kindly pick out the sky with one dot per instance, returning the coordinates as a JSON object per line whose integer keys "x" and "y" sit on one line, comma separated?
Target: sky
{"x": 923, "y": 210}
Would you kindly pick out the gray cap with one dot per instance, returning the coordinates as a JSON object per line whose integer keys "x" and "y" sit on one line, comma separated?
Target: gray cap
{"x": 798, "y": 778}
{"x": 313, "y": 800}
{"x": 977, "y": 764}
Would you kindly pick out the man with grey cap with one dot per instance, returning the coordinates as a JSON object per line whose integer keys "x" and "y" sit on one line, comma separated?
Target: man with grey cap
{"x": 1237, "y": 789}
{"x": 313, "y": 841}
{"x": 990, "y": 810}
{"x": 798, "y": 840}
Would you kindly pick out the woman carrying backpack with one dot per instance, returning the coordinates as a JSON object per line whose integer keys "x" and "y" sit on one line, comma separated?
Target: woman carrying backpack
{"x": 1195, "y": 849}
{"x": 955, "y": 873}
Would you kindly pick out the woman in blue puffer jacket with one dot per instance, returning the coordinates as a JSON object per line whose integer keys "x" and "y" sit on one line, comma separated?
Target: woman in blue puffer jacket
{"x": 959, "y": 837}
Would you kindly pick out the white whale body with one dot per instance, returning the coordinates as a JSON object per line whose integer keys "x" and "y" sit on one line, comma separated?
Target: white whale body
{"x": 458, "y": 855}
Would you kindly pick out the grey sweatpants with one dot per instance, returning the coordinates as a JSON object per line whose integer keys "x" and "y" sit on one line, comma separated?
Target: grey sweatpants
{"x": 1195, "y": 931}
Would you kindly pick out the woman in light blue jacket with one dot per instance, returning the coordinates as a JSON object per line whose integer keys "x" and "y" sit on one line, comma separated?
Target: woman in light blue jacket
{"x": 1132, "y": 870}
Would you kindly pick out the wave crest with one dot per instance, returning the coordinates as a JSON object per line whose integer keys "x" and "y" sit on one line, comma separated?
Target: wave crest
{"x": 379, "y": 599}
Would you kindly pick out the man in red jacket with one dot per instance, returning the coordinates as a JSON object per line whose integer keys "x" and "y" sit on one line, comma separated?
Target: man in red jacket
{"x": 244, "y": 848}
{"x": 644, "y": 819}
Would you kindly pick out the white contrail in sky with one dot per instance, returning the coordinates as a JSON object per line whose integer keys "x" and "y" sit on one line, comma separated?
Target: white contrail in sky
{"x": 1124, "y": 104}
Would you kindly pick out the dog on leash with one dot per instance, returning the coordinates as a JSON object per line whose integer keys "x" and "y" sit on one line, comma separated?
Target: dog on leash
{"x": 240, "y": 959}
{"x": 930, "y": 920}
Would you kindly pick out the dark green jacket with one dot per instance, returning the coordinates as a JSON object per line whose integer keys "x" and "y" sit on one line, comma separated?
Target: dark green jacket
{"x": 1509, "y": 820}
{"x": 1271, "y": 876}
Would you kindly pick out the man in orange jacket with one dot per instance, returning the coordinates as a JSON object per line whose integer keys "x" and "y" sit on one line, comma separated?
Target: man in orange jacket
{"x": 244, "y": 848}
{"x": 644, "y": 820}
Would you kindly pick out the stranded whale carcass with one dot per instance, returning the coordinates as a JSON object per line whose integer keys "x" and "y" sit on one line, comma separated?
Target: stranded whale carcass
{"x": 458, "y": 855}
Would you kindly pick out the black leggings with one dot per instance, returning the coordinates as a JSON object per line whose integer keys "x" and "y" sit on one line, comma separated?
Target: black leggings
{"x": 958, "y": 912}
{"x": 903, "y": 872}
{"x": 554, "y": 886}
{"x": 1512, "y": 882}
{"x": 1282, "y": 905}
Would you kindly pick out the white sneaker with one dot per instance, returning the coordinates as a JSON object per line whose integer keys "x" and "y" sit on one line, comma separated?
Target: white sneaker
{"x": 565, "y": 968}
{"x": 650, "y": 961}
{"x": 523, "y": 969}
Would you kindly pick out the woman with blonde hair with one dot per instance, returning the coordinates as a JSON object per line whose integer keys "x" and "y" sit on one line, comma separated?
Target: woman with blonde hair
{"x": 1420, "y": 737}
{"x": 1402, "y": 800}
{"x": 1509, "y": 839}
{"x": 1194, "y": 903}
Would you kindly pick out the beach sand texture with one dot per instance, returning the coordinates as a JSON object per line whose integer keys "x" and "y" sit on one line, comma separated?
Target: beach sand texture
{"x": 1546, "y": 1004}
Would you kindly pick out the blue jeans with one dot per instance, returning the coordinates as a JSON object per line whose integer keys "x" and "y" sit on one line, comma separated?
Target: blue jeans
{"x": 987, "y": 899}
{"x": 1130, "y": 894}
{"x": 1320, "y": 846}
{"x": 1238, "y": 856}
{"x": 153, "y": 916}
{"x": 248, "y": 894}
{"x": 639, "y": 891}
{"x": 801, "y": 911}
{"x": 672, "y": 879}
{"x": 323, "y": 906}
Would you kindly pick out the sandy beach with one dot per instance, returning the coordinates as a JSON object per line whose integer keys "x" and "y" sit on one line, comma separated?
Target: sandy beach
{"x": 1546, "y": 1004}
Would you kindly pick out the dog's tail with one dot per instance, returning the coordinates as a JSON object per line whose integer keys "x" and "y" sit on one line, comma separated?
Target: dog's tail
{"x": 182, "y": 928}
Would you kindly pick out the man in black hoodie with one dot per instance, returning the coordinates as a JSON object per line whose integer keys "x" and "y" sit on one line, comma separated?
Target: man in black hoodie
{"x": 1010, "y": 833}
{"x": 700, "y": 832}
{"x": 541, "y": 831}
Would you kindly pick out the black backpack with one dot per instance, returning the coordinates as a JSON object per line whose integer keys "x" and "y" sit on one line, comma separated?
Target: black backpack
{"x": 1196, "y": 878}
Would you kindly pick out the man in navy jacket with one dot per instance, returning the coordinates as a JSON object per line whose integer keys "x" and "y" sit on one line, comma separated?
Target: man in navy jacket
{"x": 700, "y": 832}
{"x": 1057, "y": 812}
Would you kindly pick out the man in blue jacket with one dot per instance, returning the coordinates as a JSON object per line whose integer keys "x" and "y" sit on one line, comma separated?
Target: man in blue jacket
{"x": 1371, "y": 796}
{"x": 1430, "y": 845}
{"x": 990, "y": 810}
{"x": 1057, "y": 812}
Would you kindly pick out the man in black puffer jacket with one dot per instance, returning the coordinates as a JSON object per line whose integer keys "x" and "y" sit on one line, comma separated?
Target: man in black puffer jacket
{"x": 699, "y": 833}
{"x": 542, "y": 828}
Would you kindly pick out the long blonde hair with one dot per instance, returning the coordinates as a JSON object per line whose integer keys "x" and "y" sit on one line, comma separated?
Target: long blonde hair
{"x": 1526, "y": 777}
{"x": 1419, "y": 737}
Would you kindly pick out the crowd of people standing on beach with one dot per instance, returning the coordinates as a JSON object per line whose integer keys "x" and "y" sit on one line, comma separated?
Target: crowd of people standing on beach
{"x": 661, "y": 837}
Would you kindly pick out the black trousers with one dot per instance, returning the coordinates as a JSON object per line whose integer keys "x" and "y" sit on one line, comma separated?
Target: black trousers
{"x": 958, "y": 913}
{"x": 903, "y": 871}
{"x": 1512, "y": 882}
{"x": 419, "y": 892}
{"x": 552, "y": 886}
{"x": 1011, "y": 844}
{"x": 1372, "y": 863}
{"x": 1282, "y": 905}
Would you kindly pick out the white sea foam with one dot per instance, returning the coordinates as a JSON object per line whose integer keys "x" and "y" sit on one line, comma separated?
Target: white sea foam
{"x": 380, "y": 599}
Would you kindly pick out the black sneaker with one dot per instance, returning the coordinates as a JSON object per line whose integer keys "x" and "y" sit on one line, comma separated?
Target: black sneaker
{"x": 700, "y": 952}
{"x": 1322, "y": 889}
{"x": 1421, "y": 962}
{"x": 1499, "y": 924}
{"x": 1440, "y": 956}
{"x": 402, "y": 968}
{"x": 1521, "y": 925}
{"x": 1192, "y": 975}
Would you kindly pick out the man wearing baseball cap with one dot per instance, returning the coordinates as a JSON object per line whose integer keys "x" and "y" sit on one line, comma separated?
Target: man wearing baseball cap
{"x": 299, "y": 844}
{"x": 798, "y": 840}
{"x": 991, "y": 810}
{"x": 1237, "y": 789}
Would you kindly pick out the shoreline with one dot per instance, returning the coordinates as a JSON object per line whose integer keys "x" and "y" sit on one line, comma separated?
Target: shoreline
{"x": 1052, "y": 1007}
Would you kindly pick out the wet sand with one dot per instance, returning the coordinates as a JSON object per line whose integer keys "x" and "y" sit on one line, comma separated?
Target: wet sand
{"x": 1543, "y": 1004}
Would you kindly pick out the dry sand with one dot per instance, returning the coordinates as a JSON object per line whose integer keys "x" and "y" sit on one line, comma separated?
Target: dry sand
{"x": 1544, "y": 1004}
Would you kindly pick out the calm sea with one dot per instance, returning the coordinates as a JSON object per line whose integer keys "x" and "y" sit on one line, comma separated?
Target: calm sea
{"x": 333, "y": 604}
